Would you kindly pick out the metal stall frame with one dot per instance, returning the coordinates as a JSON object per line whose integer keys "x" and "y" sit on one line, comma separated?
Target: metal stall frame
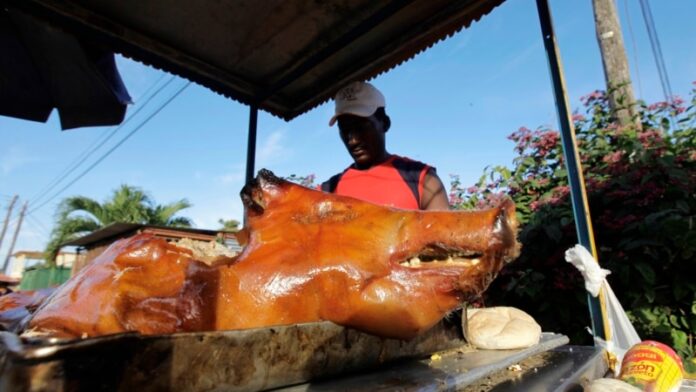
{"x": 396, "y": 29}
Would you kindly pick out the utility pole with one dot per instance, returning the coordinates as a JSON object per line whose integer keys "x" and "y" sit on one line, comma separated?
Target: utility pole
{"x": 616, "y": 72}
{"x": 7, "y": 219}
{"x": 14, "y": 238}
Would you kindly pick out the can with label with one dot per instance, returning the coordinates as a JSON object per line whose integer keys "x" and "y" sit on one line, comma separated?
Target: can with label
{"x": 652, "y": 367}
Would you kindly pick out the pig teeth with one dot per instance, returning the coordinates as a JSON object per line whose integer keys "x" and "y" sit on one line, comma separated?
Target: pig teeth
{"x": 413, "y": 262}
{"x": 416, "y": 262}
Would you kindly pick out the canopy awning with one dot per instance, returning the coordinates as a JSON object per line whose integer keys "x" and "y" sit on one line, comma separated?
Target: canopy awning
{"x": 284, "y": 57}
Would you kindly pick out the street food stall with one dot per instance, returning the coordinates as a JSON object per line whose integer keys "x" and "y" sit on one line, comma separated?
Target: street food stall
{"x": 286, "y": 58}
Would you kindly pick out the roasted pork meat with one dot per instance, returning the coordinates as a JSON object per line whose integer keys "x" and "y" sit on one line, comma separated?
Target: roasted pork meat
{"x": 309, "y": 256}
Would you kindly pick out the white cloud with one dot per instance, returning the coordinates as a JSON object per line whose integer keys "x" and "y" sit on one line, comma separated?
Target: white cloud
{"x": 234, "y": 175}
{"x": 272, "y": 149}
{"x": 206, "y": 214}
{"x": 15, "y": 158}
{"x": 518, "y": 58}
{"x": 462, "y": 41}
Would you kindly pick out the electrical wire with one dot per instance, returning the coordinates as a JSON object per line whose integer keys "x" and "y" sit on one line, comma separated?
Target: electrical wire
{"x": 91, "y": 149}
{"x": 635, "y": 48}
{"x": 112, "y": 149}
{"x": 657, "y": 50}
{"x": 37, "y": 225}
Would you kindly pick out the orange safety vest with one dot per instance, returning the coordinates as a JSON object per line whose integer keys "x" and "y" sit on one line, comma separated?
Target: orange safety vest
{"x": 397, "y": 182}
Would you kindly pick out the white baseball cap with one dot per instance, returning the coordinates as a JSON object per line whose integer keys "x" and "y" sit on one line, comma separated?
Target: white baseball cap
{"x": 358, "y": 98}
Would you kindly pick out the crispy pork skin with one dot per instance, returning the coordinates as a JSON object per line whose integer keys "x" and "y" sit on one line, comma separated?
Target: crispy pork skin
{"x": 309, "y": 256}
{"x": 16, "y": 307}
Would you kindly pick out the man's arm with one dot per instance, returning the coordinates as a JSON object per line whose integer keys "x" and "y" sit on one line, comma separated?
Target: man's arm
{"x": 434, "y": 194}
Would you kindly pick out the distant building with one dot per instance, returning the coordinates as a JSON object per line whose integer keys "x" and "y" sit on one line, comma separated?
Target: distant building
{"x": 7, "y": 284}
{"x": 92, "y": 245}
{"x": 24, "y": 259}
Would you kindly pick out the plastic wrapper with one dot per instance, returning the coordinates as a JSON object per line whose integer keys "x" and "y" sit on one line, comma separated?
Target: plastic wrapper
{"x": 652, "y": 366}
{"x": 621, "y": 332}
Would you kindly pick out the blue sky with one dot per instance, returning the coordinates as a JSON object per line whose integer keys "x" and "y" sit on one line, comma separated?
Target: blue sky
{"x": 452, "y": 107}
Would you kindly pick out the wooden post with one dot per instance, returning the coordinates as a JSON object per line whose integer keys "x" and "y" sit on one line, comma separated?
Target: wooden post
{"x": 14, "y": 238}
{"x": 7, "y": 219}
{"x": 616, "y": 73}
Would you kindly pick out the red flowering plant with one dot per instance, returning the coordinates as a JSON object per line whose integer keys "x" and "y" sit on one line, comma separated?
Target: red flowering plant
{"x": 641, "y": 186}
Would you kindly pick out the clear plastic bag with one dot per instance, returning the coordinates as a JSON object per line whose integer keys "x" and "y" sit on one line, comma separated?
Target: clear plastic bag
{"x": 622, "y": 334}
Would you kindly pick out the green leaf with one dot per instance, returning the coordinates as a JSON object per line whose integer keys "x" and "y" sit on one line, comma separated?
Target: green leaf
{"x": 650, "y": 294}
{"x": 674, "y": 320}
{"x": 554, "y": 232}
{"x": 684, "y": 322}
{"x": 679, "y": 291}
{"x": 690, "y": 365}
{"x": 683, "y": 205}
{"x": 646, "y": 272}
{"x": 679, "y": 339}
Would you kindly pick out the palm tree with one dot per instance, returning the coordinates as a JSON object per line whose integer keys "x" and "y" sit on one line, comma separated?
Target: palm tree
{"x": 229, "y": 224}
{"x": 79, "y": 215}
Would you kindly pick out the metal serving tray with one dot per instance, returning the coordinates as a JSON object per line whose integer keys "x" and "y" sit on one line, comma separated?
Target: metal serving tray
{"x": 243, "y": 360}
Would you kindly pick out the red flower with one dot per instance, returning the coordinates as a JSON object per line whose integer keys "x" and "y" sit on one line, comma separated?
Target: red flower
{"x": 591, "y": 97}
{"x": 614, "y": 157}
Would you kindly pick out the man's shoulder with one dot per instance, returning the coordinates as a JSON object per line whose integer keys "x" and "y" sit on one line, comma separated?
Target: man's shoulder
{"x": 409, "y": 162}
{"x": 331, "y": 184}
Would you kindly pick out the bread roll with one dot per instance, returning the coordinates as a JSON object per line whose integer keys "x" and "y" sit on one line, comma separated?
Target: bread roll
{"x": 502, "y": 328}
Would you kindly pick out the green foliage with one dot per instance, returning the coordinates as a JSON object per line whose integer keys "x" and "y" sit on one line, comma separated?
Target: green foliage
{"x": 228, "y": 224}
{"x": 306, "y": 181}
{"x": 641, "y": 186}
{"x": 79, "y": 215}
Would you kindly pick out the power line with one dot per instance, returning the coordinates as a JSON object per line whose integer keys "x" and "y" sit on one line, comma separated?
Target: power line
{"x": 87, "y": 153}
{"x": 635, "y": 48}
{"x": 657, "y": 50}
{"x": 38, "y": 225}
{"x": 123, "y": 140}
{"x": 91, "y": 149}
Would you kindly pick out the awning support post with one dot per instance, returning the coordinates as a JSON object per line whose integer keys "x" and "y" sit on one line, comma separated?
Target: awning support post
{"x": 581, "y": 211}
{"x": 251, "y": 143}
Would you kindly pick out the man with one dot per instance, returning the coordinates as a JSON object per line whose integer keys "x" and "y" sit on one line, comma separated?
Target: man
{"x": 378, "y": 176}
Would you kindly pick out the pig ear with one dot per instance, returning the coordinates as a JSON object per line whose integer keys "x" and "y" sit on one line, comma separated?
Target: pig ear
{"x": 267, "y": 178}
{"x": 506, "y": 229}
{"x": 257, "y": 192}
{"x": 252, "y": 198}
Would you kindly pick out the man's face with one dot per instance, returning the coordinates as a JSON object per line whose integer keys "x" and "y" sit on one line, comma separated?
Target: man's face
{"x": 363, "y": 137}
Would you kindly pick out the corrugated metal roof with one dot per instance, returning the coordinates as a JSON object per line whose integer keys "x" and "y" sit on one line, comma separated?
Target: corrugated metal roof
{"x": 285, "y": 56}
{"x": 6, "y": 280}
{"x": 117, "y": 230}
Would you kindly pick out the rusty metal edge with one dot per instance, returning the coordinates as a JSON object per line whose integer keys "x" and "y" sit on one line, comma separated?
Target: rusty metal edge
{"x": 244, "y": 360}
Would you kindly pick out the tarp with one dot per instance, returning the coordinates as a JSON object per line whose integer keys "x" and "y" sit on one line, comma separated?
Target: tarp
{"x": 42, "y": 68}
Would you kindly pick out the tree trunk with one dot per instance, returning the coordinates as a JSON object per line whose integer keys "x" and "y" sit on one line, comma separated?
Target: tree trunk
{"x": 616, "y": 72}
